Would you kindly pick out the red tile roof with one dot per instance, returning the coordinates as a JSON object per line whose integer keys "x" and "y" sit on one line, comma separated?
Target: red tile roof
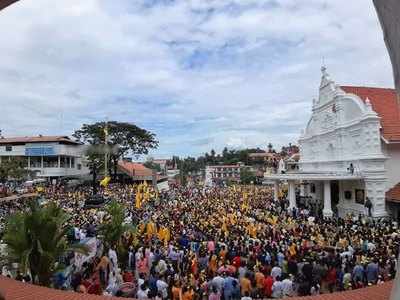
{"x": 380, "y": 292}
{"x": 16, "y": 290}
{"x": 134, "y": 169}
{"x": 393, "y": 194}
{"x": 37, "y": 139}
{"x": 385, "y": 103}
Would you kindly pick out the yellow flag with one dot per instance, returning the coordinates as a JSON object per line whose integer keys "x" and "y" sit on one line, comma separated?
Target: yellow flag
{"x": 150, "y": 229}
{"x": 138, "y": 200}
{"x": 105, "y": 181}
{"x": 224, "y": 227}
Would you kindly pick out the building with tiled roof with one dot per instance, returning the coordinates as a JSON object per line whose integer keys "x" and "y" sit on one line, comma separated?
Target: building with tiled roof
{"x": 385, "y": 103}
{"x": 15, "y": 290}
{"x": 349, "y": 151}
{"x": 138, "y": 172}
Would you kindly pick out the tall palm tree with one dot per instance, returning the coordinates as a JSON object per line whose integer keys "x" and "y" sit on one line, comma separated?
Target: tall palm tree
{"x": 114, "y": 228}
{"x": 36, "y": 239}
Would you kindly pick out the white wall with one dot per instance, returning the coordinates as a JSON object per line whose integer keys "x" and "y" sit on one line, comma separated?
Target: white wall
{"x": 346, "y": 206}
{"x": 392, "y": 165}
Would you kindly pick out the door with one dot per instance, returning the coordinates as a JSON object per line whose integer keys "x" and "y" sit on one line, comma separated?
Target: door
{"x": 335, "y": 195}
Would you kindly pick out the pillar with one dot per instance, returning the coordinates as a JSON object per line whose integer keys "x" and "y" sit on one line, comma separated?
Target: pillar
{"x": 276, "y": 190}
{"x": 375, "y": 191}
{"x": 292, "y": 194}
{"x": 59, "y": 163}
{"x": 327, "y": 211}
{"x": 302, "y": 189}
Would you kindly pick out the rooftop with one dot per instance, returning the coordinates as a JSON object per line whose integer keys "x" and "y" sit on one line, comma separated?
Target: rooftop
{"x": 263, "y": 154}
{"x": 393, "y": 195}
{"x": 16, "y": 290}
{"x": 37, "y": 139}
{"x": 134, "y": 169}
{"x": 385, "y": 103}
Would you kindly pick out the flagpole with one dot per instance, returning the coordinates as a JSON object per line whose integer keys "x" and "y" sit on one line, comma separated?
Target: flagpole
{"x": 106, "y": 150}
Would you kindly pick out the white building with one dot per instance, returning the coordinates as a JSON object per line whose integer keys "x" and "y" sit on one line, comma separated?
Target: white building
{"x": 47, "y": 156}
{"x": 221, "y": 173}
{"x": 349, "y": 150}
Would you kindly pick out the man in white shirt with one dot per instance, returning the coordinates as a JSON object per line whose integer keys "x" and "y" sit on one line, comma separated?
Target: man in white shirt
{"x": 112, "y": 255}
{"x": 142, "y": 293}
{"x": 161, "y": 267}
{"x": 287, "y": 287}
{"x": 277, "y": 288}
{"x": 162, "y": 287}
{"x": 276, "y": 272}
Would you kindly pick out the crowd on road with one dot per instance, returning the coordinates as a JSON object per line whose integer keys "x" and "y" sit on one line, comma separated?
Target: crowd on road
{"x": 224, "y": 243}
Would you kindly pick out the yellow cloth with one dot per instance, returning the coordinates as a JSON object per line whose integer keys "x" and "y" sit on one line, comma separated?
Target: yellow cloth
{"x": 292, "y": 250}
{"x": 138, "y": 200}
{"x": 150, "y": 229}
{"x": 105, "y": 181}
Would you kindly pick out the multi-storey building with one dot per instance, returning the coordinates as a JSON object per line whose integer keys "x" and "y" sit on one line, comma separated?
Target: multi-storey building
{"x": 222, "y": 173}
{"x": 49, "y": 157}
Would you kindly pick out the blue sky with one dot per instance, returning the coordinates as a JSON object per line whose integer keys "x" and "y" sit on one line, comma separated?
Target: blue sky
{"x": 200, "y": 74}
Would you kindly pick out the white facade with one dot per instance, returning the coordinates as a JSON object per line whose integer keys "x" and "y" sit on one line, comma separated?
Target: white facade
{"x": 222, "y": 173}
{"x": 48, "y": 159}
{"x": 342, "y": 148}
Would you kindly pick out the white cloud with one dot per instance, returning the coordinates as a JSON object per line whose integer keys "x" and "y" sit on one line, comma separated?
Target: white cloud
{"x": 201, "y": 73}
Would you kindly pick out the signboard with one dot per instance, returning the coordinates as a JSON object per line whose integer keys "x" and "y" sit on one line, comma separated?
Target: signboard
{"x": 39, "y": 151}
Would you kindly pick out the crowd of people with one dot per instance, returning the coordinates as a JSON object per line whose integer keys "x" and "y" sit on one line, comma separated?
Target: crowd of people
{"x": 223, "y": 243}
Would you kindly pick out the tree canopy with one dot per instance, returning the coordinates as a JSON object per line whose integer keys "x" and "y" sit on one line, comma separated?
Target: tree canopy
{"x": 13, "y": 168}
{"x": 123, "y": 138}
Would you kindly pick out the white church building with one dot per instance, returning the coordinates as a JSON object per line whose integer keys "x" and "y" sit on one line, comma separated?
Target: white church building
{"x": 349, "y": 150}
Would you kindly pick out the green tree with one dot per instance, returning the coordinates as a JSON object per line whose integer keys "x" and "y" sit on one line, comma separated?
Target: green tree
{"x": 213, "y": 158}
{"x": 225, "y": 155}
{"x": 95, "y": 161}
{"x": 113, "y": 230}
{"x": 123, "y": 138}
{"x": 270, "y": 148}
{"x": 152, "y": 165}
{"x": 13, "y": 168}
{"x": 36, "y": 239}
{"x": 247, "y": 176}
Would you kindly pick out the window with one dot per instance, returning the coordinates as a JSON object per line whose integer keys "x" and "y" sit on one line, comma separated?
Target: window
{"x": 79, "y": 166}
{"x": 72, "y": 162}
{"x": 67, "y": 162}
{"x": 8, "y": 148}
{"x": 50, "y": 162}
{"x": 62, "y": 161}
{"x": 36, "y": 162}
